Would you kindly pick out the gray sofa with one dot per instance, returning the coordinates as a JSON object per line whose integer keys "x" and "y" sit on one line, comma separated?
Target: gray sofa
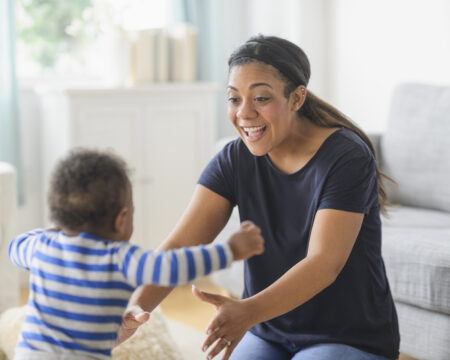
{"x": 415, "y": 151}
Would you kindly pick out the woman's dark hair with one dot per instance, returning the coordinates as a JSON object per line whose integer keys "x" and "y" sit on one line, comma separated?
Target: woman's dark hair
{"x": 88, "y": 189}
{"x": 294, "y": 69}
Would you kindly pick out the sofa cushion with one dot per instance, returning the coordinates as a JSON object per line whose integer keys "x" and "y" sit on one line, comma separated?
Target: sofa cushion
{"x": 418, "y": 266}
{"x": 404, "y": 216}
{"x": 415, "y": 149}
{"x": 424, "y": 334}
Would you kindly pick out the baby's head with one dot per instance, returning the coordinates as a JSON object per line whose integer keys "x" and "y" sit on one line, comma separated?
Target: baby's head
{"x": 90, "y": 191}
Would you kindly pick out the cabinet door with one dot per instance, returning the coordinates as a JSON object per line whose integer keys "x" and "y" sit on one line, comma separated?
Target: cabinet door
{"x": 91, "y": 123}
{"x": 117, "y": 128}
{"x": 173, "y": 141}
{"x": 108, "y": 127}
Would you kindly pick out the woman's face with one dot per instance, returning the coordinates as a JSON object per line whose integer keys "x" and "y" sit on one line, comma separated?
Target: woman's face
{"x": 258, "y": 109}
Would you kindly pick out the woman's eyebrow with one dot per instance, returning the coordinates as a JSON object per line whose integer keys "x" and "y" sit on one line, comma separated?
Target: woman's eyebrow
{"x": 252, "y": 86}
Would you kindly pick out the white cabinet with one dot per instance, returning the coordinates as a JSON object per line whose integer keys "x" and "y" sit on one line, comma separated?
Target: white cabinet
{"x": 165, "y": 133}
{"x": 9, "y": 275}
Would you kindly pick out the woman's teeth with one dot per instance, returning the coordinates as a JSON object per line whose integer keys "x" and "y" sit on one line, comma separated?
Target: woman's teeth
{"x": 250, "y": 130}
{"x": 254, "y": 133}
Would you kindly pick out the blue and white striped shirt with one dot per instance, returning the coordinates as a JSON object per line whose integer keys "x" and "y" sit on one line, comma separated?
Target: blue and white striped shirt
{"x": 80, "y": 286}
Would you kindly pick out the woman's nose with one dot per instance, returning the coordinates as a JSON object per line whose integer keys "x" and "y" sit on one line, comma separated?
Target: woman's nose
{"x": 246, "y": 111}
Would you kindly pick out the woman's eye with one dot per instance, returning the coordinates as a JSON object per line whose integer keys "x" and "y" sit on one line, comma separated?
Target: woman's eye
{"x": 261, "y": 98}
{"x": 233, "y": 100}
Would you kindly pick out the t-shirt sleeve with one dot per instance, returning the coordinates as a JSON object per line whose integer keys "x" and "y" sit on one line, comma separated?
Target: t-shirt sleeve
{"x": 351, "y": 185}
{"x": 218, "y": 175}
{"x": 21, "y": 249}
{"x": 174, "y": 267}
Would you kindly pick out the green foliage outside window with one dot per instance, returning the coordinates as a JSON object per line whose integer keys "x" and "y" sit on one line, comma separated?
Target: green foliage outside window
{"x": 53, "y": 27}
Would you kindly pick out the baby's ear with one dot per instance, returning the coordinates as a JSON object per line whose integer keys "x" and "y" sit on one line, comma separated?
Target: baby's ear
{"x": 120, "y": 223}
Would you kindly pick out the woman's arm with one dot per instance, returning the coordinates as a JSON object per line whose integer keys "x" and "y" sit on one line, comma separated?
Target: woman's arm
{"x": 180, "y": 266}
{"x": 203, "y": 219}
{"x": 332, "y": 238}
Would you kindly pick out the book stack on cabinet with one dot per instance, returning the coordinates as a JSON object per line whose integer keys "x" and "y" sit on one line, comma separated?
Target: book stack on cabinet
{"x": 163, "y": 55}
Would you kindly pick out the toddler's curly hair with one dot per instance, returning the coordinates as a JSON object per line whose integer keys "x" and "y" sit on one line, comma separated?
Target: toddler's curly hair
{"x": 88, "y": 188}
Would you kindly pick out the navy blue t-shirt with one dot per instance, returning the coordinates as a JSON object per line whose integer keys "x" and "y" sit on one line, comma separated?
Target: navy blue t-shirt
{"x": 357, "y": 309}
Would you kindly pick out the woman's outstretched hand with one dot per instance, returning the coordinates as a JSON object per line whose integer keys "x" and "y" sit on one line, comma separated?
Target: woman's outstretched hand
{"x": 131, "y": 320}
{"x": 232, "y": 321}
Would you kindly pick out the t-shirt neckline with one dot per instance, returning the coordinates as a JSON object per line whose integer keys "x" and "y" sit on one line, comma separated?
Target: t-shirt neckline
{"x": 310, "y": 161}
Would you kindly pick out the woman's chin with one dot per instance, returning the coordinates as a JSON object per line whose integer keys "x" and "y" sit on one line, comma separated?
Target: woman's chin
{"x": 256, "y": 150}
{"x": 256, "y": 144}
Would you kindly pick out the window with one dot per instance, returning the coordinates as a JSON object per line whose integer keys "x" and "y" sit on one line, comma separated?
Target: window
{"x": 70, "y": 38}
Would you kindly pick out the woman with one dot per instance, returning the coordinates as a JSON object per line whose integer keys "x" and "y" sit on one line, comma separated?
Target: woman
{"x": 307, "y": 176}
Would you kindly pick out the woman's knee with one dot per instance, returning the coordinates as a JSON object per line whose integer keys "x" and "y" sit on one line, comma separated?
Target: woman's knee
{"x": 334, "y": 352}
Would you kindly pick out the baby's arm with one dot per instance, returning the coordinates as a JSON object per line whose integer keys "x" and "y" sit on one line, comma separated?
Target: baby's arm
{"x": 172, "y": 268}
{"x": 21, "y": 249}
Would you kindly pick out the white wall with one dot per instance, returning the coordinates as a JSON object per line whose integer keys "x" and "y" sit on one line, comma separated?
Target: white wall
{"x": 359, "y": 50}
{"x": 378, "y": 44}
{"x": 304, "y": 22}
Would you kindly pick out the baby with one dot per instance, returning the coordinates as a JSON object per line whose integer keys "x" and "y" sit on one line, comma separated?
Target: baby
{"x": 83, "y": 272}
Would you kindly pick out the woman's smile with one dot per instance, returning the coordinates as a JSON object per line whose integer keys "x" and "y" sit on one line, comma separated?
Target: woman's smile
{"x": 254, "y": 133}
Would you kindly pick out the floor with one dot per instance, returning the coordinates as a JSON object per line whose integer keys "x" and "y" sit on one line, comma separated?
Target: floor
{"x": 182, "y": 306}
{"x": 180, "y": 299}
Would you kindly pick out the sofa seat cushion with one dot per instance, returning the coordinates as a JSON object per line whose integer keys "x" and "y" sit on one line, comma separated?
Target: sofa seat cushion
{"x": 418, "y": 265}
{"x": 424, "y": 334}
{"x": 404, "y": 216}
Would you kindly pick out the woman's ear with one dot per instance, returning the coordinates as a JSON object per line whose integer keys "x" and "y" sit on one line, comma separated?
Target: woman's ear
{"x": 120, "y": 223}
{"x": 298, "y": 97}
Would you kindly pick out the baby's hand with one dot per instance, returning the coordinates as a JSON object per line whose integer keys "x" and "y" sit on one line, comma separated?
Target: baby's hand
{"x": 133, "y": 317}
{"x": 247, "y": 241}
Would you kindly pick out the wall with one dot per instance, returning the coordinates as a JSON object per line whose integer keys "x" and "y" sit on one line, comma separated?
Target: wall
{"x": 378, "y": 44}
{"x": 359, "y": 50}
{"x": 230, "y": 23}
{"x": 303, "y": 22}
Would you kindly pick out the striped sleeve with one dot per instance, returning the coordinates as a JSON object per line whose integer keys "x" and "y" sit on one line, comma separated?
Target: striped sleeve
{"x": 21, "y": 248}
{"x": 172, "y": 268}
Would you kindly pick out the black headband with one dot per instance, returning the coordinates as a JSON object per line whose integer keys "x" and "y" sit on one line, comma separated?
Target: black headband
{"x": 276, "y": 56}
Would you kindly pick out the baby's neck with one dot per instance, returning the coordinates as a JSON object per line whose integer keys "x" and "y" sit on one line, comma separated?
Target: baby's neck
{"x": 107, "y": 235}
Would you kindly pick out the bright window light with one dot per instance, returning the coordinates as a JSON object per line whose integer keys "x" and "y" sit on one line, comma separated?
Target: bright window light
{"x": 56, "y": 37}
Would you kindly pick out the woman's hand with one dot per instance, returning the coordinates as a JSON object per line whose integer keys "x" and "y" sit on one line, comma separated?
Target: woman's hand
{"x": 131, "y": 320}
{"x": 232, "y": 321}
